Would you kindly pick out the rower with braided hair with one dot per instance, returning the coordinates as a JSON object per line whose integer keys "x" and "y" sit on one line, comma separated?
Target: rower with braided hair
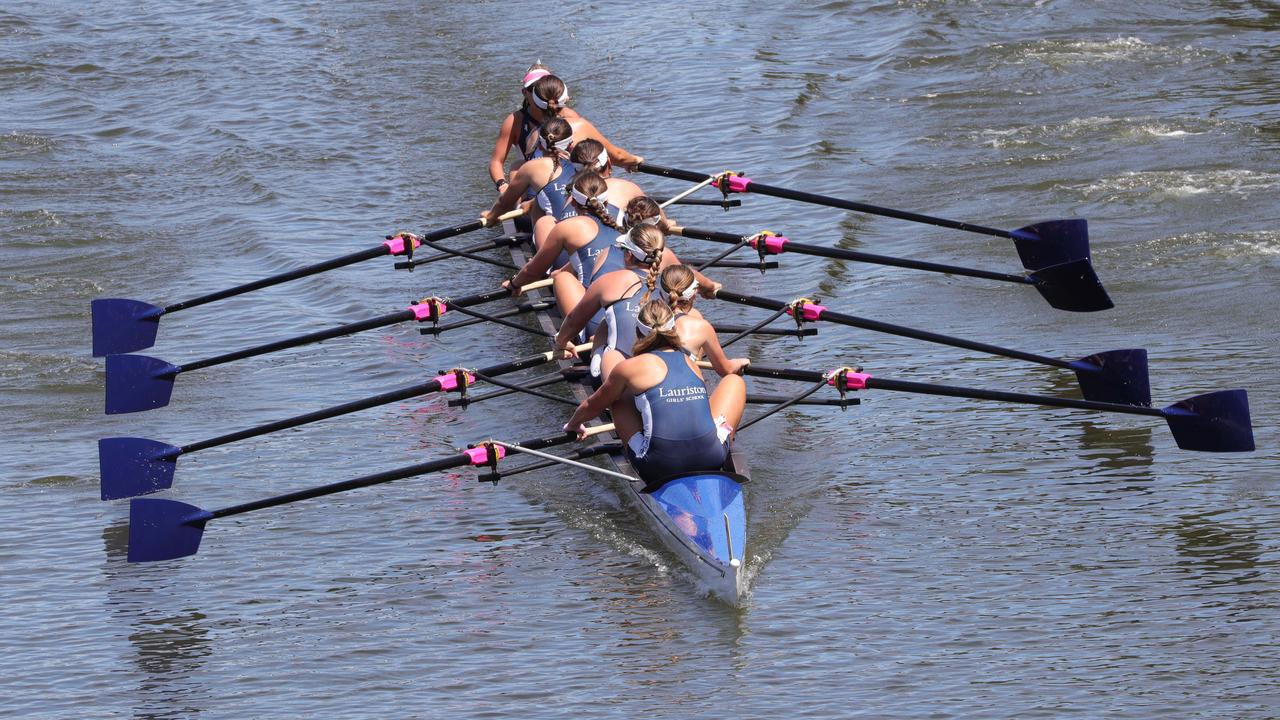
{"x": 660, "y": 405}
{"x": 679, "y": 287}
{"x": 607, "y": 311}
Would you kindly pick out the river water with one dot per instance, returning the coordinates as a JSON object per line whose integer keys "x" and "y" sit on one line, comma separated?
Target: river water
{"x": 913, "y": 557}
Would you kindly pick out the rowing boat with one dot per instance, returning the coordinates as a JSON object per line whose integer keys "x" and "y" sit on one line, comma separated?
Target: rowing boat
{"x": 699, "y": 517}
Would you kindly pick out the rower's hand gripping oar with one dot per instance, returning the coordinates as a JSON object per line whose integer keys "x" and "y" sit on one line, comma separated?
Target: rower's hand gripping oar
{"x": 1114, "y": 376}
{"x": 1072, "y": 285}
{"x": 139, "y": 382}
{"x": 121, "y": 325}
{"x": 1040, "y": 245}
{"x": 132, "y": 466}
{"x": 167, "y": 529}
{"x": 1213, "y": 422}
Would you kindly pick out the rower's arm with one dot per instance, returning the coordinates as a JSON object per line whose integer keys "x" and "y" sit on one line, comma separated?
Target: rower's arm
{"x": 617, "y": 155}
{"x": 715, "y": 354}
{"x": 578, "y": 318}
{"x": 511, "y": 193}
{"x": 543, "y": 259}
{"x": 502, "y": 146}
{"x": 598, "y": 402}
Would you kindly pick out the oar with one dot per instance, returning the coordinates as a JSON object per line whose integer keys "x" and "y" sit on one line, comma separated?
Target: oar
{"x": 1072, "y": 286}
{"x": 167, "y": 529}
{"x": 140, "y": 382}
{"x": 1039, "y": 245}
{"x": 132, "y": 466}
{"x": 1213, "y": 422}
{"x": 121, "y": 325}
{"x": 1114, "y": 376}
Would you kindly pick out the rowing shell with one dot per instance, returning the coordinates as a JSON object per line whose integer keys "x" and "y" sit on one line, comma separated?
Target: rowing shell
{"x": 699, "y": 517}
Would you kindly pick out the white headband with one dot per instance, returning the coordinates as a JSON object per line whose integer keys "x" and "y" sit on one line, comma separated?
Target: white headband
{"x": 583, "y": 200}
{"x": 630, "y": 221}
{"x": 667, "y": 326}
{"x": 564, "y": 96}
{"x": 624, "y": 241}
{"x": 562, "y": 146}
{"x": 689, "y": 291}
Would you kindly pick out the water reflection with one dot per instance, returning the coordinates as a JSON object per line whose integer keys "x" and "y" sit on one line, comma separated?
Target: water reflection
{"x": 1215, "y": 554}
{"x": 170, "y": 644}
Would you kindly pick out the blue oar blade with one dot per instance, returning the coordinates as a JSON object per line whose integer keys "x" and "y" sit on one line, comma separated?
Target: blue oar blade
{"x": 164, "y": 529}
{"x": 1115, "y": 376}
{"x": 1213, "y": 422}
{"x": 122, "y": 326}
{"x": 1072, "y": 286}
{"x": 1052, "y": 242}
{"x": 135, "y": 466}
{"x": 138, "y": 382}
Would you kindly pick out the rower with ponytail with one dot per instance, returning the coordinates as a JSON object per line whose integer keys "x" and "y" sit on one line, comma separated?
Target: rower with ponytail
{"x": 544, "y": 97}
{"x": 591, "y": 155}
{"x": 539, "y": 178}
{"x": 660, "y": 405}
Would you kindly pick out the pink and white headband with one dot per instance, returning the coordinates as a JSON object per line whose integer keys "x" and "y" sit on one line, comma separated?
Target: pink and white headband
{"x": 534, "y": 76}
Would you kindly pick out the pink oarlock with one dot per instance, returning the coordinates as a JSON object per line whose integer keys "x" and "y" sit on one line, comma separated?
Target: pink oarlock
{"x": 396, "y": 245}
{"x": 449, "y": 381}
{"x": 480, "y": 455}
{"x": 428, "y": 309}
{"x": 810, "y": 311}
{"x": 773, "y": 244}
{"x": 853, "y": 380}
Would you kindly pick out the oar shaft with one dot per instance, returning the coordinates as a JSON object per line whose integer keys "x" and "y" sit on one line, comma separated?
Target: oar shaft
{"x": 348, "y": 329}
{"x": 900, "y": 330}
{"x": 858, "y": 256}
{"x": 835, "y": 202}
{"x": 454, "y": 461}
{"x": 827, "y": 200}
{"x": 353, "y": 258}
{"x": 341, "y": 330}
{"x": 876, "y": 383}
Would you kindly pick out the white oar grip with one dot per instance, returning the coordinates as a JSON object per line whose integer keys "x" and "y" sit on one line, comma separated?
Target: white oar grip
{"x": 547, "y": 282}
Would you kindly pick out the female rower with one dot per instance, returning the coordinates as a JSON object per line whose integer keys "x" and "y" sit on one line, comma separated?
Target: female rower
{"x": 546, "y": 178}
{"x": 608, "y": 309}
{"x": 660, "y": 407}
{"x": 583, "y": 236}
{"x": 680, "y": 284}
{"x": 591, "y": 155}
{"x": 545, "y": 96}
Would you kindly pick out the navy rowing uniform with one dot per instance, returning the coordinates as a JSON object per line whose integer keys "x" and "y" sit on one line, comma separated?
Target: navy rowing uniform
{"x": 584, "y": 258}
{"x": 553, "y": 198}
{"x": 619, "y": 317}
{"x": 679, "y": 433}
{"x": 527, "y": 128}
